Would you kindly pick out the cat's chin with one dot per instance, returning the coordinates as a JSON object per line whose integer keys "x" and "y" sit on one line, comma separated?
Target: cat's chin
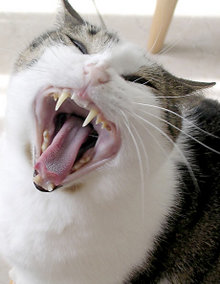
{"x": 73, "y": 137}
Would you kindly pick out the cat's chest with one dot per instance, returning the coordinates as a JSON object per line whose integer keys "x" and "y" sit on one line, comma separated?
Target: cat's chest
{"x": 79, "y": 232}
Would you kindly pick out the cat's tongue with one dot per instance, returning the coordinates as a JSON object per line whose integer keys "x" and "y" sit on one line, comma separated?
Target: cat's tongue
{"x": 57, "y": 160}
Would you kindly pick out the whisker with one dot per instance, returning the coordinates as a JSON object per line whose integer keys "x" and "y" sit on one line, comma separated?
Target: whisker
{"x": 154, "y": 138}
{"x": 37, "y": 69}
{"x": 99, "y": 15}
{"x": 155, "y": 41}
{"x": 176, "y": 97}
{"x": 180, "y": 116}
{"x": 175, "y": 146}
{"x": 139, "y": 160}
{"x": 139, "y": 78}
{"x": 143, "y": 147}
{"x": 94, "y": 136}
{"x": 185, "y": 133}
{"x": 177, "y": 40}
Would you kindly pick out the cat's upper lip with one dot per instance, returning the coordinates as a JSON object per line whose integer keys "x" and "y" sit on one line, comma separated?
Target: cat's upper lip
{"x": 54, "y": 147}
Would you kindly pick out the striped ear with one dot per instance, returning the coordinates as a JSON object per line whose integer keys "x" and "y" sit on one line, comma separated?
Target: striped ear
{"x": 195, "y": 85}
{"x": 71, "y": 17}
{"x": 180, "y": 87}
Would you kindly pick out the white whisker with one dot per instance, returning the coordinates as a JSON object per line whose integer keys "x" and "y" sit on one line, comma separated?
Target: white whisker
{"x": 183, "y": 132}
{"x": 143, "y": 147}
{"x": 154, "y": 138}
{"x": 176, "y": 40}
{"x": 175, "y": 146}
{"x": 178, "y": 115}
{"x": 139, "y": 160}
{"x": 176, "y": 97}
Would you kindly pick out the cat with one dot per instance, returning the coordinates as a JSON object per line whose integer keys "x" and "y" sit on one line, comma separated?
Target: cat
{"x": 110, "y": 165}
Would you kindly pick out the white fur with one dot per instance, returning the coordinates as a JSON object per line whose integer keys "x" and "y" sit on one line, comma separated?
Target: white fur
{"x": 101, "y": 232}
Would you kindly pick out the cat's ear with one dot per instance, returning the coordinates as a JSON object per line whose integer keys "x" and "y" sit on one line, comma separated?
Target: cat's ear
{"x": 181, "y": 87}
{"x": 70, "y": 16}
{"x": 193, "y": 86}
{"x": 166, "y": 83}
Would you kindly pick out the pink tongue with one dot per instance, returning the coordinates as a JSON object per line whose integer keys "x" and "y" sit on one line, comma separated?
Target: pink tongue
{"x": 56, "y": 162}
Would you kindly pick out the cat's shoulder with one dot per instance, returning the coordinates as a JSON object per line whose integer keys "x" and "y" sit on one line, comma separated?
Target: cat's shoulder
{"x": 207, "y": 114}
{"x": 202, "y": 142}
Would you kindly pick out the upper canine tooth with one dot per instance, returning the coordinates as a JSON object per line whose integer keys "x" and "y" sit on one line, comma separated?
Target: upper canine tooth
{"x": 64, "y": 95}
{"x": 90, "y": 117}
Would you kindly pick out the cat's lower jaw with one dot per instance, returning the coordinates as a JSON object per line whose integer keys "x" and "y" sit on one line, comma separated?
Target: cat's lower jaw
{"x": 92, "y": 236}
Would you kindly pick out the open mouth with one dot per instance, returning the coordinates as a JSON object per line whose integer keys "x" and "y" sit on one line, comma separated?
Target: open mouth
{"x": 73, "y": 138}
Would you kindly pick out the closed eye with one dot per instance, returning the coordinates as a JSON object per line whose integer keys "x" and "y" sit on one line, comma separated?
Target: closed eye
{"x": 78, "y": 44}
{"x": 139, "y": 80}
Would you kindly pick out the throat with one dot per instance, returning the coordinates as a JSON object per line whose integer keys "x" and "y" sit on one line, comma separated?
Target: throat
{"x": 88, "y": 144}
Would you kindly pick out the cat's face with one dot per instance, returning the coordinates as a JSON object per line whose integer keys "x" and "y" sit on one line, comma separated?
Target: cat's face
{"x": 86, "y": 103}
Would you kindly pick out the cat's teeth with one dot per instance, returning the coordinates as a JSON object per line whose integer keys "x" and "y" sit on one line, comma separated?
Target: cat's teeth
{"x": 93, "y": 113}
{"x": 55, "y": 96}
{"x": 64, "y": 95}
{"x": 45, "y": 143}
{"x": 50, "y": 187}
{"x": 108, "y": 127}
{"x": 105, "y": 125}
{"x": 98, "y": 119}
{"x": 37, "y": 179}
{"x": 103, "y": 122}
{"x": 81, "y": 163}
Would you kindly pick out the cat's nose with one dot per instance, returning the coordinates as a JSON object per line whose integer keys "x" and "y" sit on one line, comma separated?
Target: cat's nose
{"x": 97, "y": 73}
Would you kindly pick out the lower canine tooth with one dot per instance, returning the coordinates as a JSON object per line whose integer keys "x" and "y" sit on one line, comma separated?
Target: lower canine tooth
{"x": 37, "y": 179}
{"x": 50, "y": 187}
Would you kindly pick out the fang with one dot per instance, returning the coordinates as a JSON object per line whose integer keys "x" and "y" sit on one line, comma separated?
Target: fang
{"x": 64, "y": 95}
{"x": 93, "y": 113}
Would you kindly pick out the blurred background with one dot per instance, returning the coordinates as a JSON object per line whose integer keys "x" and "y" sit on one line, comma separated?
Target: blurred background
{"x": 191, "y": 49}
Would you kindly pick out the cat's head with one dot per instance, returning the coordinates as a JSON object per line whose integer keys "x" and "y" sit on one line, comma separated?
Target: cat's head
{"x": 84, "y": 103}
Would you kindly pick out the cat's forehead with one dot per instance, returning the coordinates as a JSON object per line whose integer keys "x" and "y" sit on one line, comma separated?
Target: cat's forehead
{"x": 93, "y": 39}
